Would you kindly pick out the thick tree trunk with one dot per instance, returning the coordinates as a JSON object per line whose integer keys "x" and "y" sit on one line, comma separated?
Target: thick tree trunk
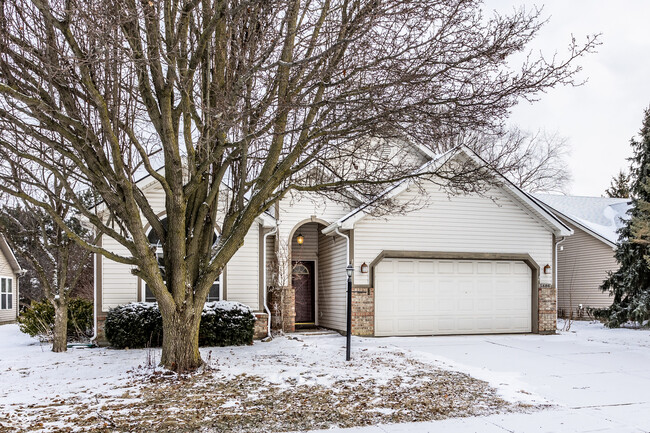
{"x": 180, "y": 346}
{"x": 60, "y": 343}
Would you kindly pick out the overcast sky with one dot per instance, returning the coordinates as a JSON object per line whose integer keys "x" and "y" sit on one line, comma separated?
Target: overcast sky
{"x": 600, "y": 117}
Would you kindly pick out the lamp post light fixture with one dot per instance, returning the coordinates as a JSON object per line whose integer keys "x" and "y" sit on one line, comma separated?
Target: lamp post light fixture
{"x": 349, "y": 270}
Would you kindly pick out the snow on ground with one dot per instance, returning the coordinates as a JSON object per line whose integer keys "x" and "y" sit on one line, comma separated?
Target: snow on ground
{"x": 587, "y": 379}
{"x": 597, "y": 379}
{"x": 291, "y": 382}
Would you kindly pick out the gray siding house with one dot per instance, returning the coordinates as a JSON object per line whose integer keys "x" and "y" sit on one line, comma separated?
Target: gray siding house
{"x": 585, "y": 258}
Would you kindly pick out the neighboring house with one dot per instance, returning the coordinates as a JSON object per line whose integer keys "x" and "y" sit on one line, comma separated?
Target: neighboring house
{"x": 9, "y": 272}
{"x": 465, "y": 264}
{"x": 585, "y": 258}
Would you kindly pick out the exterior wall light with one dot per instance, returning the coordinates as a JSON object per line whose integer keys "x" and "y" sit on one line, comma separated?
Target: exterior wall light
{"x": 300, "y": 239}
{"x": 364, "y": 268}
{"x": 547, "y": 269}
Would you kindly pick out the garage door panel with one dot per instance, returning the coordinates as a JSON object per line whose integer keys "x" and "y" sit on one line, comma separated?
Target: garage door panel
{"x": 434, "y": 297}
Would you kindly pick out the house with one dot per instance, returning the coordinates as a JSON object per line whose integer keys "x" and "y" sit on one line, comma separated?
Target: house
{"x": 585, "y": 258}
{"x": 464, "y": 264}
{"x": 9, "y": 272}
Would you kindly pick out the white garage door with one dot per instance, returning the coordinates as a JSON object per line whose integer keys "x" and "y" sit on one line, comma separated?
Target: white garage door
{"x": 429, "y": 297}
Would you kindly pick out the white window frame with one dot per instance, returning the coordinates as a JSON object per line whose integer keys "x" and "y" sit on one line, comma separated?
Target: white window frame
{"x": 9, "y": 289}
{"x": 144, "y": 289}
{"x": 143, "y": 284}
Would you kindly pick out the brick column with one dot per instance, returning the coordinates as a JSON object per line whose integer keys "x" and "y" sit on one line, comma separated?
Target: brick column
{"x": 363, "y": 311}
{"x": 261, "y": 328}
{"x": 289, "y": 309}
{"x": 101, "y": 336}
{"x": 547, "y": 319}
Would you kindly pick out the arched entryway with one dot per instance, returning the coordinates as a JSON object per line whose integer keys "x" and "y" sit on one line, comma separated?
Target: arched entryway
{"x": 317, "y": 277}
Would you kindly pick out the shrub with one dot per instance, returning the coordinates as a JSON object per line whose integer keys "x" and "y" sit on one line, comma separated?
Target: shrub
{"x": 226, "y": 323}
{"x": 38, "y": 319}
{"x": 223, "y": 323}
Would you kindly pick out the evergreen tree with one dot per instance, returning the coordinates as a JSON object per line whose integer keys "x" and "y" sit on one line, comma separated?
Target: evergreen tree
{"x": 630, "y": 284}
{"x": 620, "y": 186}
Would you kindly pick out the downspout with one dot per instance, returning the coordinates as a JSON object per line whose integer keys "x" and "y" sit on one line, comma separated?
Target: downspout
{"x": 347, "y": 249}
{"x": 94, "y": 337}
{"x": 555, "y": 264}
{"x": 266, "y": 307}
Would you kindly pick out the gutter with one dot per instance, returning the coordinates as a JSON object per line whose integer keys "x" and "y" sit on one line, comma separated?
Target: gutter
{"x": 266, "y": 307}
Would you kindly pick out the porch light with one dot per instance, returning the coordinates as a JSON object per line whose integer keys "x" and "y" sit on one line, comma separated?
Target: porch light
{"x": 547, "y": 269}
{"x": 364, "y": 268}
{"x": 300, "y": 239}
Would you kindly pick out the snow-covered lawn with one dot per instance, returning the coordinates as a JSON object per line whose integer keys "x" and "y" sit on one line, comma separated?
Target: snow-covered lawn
{"x": 290, "y": 383}
{"x": 588, "y": 379}
{"x": 596, "y": 378}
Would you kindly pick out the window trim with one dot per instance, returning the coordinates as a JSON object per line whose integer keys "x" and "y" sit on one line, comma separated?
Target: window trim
{"x": 143, "y": 284}
{"x": 6, "y": 293}
{"x": 143, "y": 289}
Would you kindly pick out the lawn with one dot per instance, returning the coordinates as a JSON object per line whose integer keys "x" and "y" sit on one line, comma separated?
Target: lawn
{"x": 288, "y": 384}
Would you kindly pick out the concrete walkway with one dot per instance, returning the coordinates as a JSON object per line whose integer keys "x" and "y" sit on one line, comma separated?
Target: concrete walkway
{"x": 598, "y": 379}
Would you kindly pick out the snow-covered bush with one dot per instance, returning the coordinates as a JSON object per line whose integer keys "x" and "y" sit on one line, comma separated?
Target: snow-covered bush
{"x": 38, "y": 320}
{"x": 225, "y": 323}
{"x": 139, "y": 324}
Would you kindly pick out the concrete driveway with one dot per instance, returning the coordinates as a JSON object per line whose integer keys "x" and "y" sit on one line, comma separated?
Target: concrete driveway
{"x": 597, "y": 379}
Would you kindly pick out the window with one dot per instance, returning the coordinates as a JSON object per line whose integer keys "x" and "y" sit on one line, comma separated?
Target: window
{"x": 213, "y": 295}
{"x": 215, "y": 291}
{"x": 6, "y": 294}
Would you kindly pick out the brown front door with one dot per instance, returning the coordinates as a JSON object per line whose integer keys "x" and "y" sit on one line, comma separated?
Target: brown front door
{"x": 302, "y": 280}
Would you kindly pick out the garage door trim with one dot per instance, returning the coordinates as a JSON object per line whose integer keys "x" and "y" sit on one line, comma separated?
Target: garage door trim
{"x": 526, "y": 258}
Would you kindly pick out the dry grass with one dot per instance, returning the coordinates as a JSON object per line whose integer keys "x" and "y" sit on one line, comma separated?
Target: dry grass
{"x": 212, "y": 401}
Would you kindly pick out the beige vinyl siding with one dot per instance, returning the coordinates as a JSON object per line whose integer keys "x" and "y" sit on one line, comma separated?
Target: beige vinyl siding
{"x": 296, "y": 208}
{"x": 309, "y": 249}
{"x": 493, "y": 223}
{"x": 6, "y": 271}
{"x": 331, "y": 282}
{"x": 243, "y": 284}
{"x": 271, "y": 260}
{"x": 119, "y": 285}
{"x": 583, "y": 264}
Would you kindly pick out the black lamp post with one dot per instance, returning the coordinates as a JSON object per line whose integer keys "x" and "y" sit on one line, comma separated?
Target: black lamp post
{"x": 349, "y": 271}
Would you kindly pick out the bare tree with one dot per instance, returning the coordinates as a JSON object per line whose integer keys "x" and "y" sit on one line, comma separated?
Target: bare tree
{"x": 242, "y": 101}
{"x": 535, "y": 162}
{"x": 58, "y": 263}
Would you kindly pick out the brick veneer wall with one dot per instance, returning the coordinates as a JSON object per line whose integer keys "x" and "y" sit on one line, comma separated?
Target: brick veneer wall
{"x": 289, "y": 310}
{"x": 363, "y": 311}
{"x": 547, "y": 319}
{"x": 260, "y": 330}
{"x": 101, "y": 337}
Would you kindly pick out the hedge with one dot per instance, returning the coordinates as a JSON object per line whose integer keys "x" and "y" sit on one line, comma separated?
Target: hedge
{"x": 139, "y": 324}
{"x": 38, "y": 319}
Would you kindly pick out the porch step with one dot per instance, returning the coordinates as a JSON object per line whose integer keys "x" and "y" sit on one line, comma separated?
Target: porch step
{"x": 312, "y": 331}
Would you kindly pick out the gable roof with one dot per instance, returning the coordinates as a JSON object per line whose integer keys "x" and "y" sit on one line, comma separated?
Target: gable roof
{"x": 601, "y": 217}
{"x": 524, "y": 199}
{"x": 9, "y": 255}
